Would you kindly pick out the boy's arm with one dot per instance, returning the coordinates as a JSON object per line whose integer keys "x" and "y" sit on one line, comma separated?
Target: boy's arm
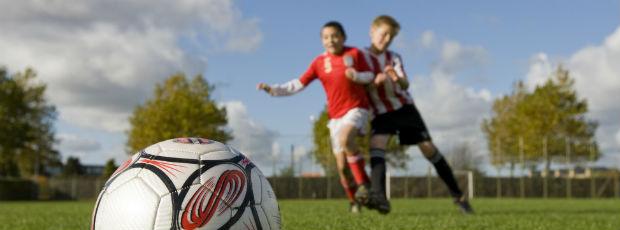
{"x": 291, "y": 87}
{"x": 358, "y": 70}
{"x": 397, "y": 73}
{"x": 364, "y": 77}
{"x": 286, "y": 89}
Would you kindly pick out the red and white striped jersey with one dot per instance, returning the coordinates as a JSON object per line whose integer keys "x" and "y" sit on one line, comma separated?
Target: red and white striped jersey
{"x": 388, "y": 96}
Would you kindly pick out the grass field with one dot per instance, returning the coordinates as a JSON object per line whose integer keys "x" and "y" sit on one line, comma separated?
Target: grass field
{"x": 332, "y": 214}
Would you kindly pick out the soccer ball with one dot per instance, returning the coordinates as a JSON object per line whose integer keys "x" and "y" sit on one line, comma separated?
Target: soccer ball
{"x": 187, "y": 183}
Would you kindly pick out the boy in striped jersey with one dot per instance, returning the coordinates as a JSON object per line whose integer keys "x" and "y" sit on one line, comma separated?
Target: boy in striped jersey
{"x": 396, "y": 114}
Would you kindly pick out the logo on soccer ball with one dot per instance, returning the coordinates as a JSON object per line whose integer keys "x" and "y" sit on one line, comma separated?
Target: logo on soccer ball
{"x": 227, "y": 188}
{"x": 192, "y": 140}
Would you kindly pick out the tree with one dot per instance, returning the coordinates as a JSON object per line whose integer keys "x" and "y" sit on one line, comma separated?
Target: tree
{"x": 322, "y": 150}
{"x": 551, "y": 117}
{"x": 463, "y": 158}
{"x": 287, "y": 171}
{"x": 73, "y": 167}
{"x": 109, "y": 169}
{"x": 26, "y": 125}
{"x": 179, "y": 109}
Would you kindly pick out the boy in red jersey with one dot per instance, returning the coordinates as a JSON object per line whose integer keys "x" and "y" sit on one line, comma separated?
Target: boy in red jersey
{"x": 396, "y": 114}
{"x": 342, "y": 71}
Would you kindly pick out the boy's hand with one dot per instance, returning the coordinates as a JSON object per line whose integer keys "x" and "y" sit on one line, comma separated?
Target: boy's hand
{"x": 263, "y": 87}
{"x": 350, "y": 73}
{"x": 380, "y": 78}
{"x": 389, "y": 70}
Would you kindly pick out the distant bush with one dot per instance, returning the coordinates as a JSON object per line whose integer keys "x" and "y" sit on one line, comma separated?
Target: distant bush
{"x": 17, "y": 189}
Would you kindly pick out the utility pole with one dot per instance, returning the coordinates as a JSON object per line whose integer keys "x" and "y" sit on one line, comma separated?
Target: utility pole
{"x": 568, "y": 170}
{"x": 293, "y": 159}
{"x": 522, "y": 159}
{"x": 546, "y": 170}
{"x": 592, "y": 179}
{"x": 498, "y": 183}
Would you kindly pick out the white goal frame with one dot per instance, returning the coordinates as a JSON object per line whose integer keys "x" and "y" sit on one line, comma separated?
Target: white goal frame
{"x": 469, "y": 187}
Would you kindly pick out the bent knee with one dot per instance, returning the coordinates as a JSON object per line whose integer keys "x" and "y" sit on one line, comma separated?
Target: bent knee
{"x": 348, "y": 145}
{"x": 427, "y": 148}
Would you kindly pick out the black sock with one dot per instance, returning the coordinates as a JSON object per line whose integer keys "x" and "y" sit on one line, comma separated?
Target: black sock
{"x": 445, "y": 173}
{"x": 377, "y": 172}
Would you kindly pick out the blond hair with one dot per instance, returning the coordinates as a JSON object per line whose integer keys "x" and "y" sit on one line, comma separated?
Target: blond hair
{"x": 387, "y": 20}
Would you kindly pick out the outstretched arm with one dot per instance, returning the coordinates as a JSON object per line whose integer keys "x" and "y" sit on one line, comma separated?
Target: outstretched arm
{"x": 286, "y": 89}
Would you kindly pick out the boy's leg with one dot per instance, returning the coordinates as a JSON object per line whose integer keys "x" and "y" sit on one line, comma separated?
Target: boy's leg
{"x": 413, "y": 131}
{"x": 355, "y": 160}
{"x": 349, "y": 188}
{"x": 441, "y": 166}
{"x": 378, "y": 144}
{"x": 378, "y": 200}
{"x": 336, "y": 129}
{"x": 445, "y": 173}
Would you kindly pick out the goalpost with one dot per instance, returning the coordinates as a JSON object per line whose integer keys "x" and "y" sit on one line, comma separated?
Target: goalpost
{"x": 469, "y": 187}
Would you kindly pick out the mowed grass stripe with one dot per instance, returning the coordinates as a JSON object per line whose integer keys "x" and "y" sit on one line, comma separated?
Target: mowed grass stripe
{"x": 333, "y": 214}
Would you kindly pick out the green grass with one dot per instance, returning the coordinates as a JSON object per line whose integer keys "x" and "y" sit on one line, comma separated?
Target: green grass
{"x": 332, "y": 214}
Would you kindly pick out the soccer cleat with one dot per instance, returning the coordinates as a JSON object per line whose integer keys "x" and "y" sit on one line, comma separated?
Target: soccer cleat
{"x": 379, "y": 202}
{"x": 464, "y": 205}
{"x": 361, "y": 195}
{"x": 355, "y": 208}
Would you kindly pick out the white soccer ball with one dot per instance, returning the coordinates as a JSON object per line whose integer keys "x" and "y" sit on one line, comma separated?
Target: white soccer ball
{"x": 187, "y": 183}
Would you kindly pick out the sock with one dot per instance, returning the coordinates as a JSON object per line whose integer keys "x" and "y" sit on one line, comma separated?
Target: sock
{"x": 350, "y": 191}
{"x": 356, "y": 164}
{"x": 445, "y": 173}
{"x": 377, "y": 172}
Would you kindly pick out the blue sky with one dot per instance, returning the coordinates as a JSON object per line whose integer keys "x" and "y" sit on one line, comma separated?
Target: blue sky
{"x": 101, "y": 58}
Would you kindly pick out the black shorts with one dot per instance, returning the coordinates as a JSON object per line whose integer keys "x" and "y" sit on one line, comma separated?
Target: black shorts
{"x": 406, "y": 122}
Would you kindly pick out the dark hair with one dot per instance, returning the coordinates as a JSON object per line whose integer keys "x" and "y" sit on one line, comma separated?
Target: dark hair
{"x": 336, "y": 25}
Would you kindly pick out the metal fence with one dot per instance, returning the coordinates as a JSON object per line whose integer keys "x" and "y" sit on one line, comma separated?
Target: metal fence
{"x": 607, "y": 186}
{"x": 429, "y": 187}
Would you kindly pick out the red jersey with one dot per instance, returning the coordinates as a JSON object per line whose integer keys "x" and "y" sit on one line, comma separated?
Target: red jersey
{"x": 342, "y": 93}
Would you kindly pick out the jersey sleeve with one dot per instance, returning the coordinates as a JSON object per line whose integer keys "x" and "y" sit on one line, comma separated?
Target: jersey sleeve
{"x": 310, "y": 74}
{"x": 398, "y": 65}
{"x": 289, "y": 88}
{"x": 296, "y": 85}
{"x": 364, "y": 74}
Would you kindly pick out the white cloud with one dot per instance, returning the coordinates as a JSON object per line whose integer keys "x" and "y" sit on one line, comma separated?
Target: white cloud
{"x": 453, "y": 112}
{"x": 595, "y": 70}
{"x": 73, "y": 145}
{"x": 251, "y": 138}
{"x": 300, "y": 152}
{"x": 456, "y": 57}
{"x": 427, "y": 39}
{"x": 539, "y": 70}
{"x": 116, "y": 152}
{"x": 101, "y": 58}
{"x": 275, "y": 149}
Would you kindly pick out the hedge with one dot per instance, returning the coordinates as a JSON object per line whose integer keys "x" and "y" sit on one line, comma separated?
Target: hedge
{"x": 18, "y": 189}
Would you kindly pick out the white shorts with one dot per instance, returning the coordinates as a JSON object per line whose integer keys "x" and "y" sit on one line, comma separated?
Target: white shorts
{"x": 357, "y": 117}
